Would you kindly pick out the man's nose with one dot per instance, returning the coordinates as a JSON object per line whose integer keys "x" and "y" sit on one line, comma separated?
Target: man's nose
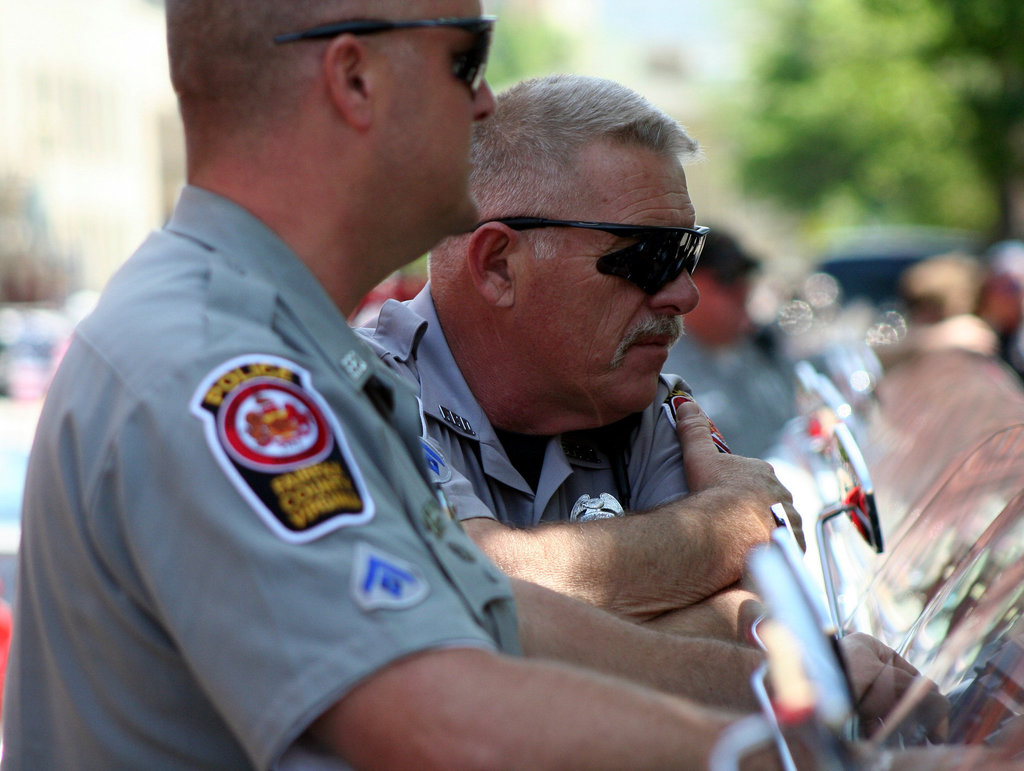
{"x": 483, "y": 101}
{"x": 678, "y": 296}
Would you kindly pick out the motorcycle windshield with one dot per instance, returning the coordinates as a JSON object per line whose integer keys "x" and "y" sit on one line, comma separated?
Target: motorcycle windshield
{"x": 969, "y": 641}
{"x": 926, "y": 548}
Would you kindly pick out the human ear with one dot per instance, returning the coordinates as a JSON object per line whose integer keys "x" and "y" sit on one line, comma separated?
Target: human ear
{"x": 490, "y": 257}
{"x": 350, "y": 79}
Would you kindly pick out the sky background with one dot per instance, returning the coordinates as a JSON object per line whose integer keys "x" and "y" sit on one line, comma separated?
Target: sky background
{"x": 708, "y": 34}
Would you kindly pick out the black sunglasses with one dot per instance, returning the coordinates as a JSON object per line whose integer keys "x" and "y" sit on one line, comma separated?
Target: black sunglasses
{"x": 468, "y": 66}
{"x": 659, "y": 255}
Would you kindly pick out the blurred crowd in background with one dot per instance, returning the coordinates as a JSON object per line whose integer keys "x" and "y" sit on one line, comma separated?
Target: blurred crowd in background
{"x": 899, "y": 299}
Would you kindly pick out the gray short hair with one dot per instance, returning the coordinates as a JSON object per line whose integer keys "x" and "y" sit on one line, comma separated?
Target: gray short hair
{"x": 526, "y": 154}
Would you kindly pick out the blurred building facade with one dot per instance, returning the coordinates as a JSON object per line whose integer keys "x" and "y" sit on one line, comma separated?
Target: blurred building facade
{"x": 90, "y": 144}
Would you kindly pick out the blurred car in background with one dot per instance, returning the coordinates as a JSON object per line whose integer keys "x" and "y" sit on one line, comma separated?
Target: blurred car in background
{"x": 32, "y": 340}
{"x": 18, "y": 420}
{"x": 867, "y": 262}
{"x": 13, "y": 462}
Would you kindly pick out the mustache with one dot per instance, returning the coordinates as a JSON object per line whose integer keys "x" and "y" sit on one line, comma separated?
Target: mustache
{"x": 669, "y": 326}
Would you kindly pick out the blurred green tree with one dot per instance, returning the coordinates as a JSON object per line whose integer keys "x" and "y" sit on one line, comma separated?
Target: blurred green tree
{"x": 887, "y": 111}
{"x": 527, "y": 45}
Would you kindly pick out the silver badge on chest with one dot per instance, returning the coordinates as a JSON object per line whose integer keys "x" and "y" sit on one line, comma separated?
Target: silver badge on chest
{"x": 587, "y": 509}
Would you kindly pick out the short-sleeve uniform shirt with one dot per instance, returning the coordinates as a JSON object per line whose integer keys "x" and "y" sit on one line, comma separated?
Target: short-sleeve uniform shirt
{"x": 228, "y": 522}
{"x": 639, "y": 467}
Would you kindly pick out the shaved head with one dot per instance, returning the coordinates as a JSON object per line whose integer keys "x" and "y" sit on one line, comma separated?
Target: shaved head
{"x": 230, "y": 77}
{"x": 224, "y": 65}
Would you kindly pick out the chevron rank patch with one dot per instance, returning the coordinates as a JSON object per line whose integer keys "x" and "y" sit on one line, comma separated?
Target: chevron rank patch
{"x": 277, "y": 441}
{"x": 676, "y": 397}
{"x": 440, "y": 471}
{"x": 383, "y": 581}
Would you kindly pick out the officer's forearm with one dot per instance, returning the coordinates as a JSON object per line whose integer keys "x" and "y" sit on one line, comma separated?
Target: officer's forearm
{"x": 725, "y": 615}
{"x": 463, "y": 708}
{"x": 556, "y": 627}
{"x": 640, "y": 565}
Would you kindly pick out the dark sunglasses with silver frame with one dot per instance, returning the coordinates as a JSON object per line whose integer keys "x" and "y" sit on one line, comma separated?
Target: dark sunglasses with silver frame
{"x": 657, "y": 258}
{"x": 467, "y": 66}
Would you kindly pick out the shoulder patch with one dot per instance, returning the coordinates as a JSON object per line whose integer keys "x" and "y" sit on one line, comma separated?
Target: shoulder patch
{"x": 382, "y": 580}
{"x": 676, "y": 397}
{"x": 278, "y": 442}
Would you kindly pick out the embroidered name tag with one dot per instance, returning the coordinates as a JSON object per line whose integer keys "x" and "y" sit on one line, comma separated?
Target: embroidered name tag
{"x": 279, "y": 445}
{"x": 455, "y": 420}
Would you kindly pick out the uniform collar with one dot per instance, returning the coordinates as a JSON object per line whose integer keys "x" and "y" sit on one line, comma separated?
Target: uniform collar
{"x": 410, "y": 333}
{"x": 245, "y": 244}
{"x": 443, "y": 390}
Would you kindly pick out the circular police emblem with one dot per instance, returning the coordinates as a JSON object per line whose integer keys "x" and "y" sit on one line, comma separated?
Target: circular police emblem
{"x": 271, "y": 424}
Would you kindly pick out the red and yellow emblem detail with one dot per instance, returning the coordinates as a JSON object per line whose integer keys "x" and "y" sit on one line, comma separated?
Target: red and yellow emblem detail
{"x": 678, "y": 396}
